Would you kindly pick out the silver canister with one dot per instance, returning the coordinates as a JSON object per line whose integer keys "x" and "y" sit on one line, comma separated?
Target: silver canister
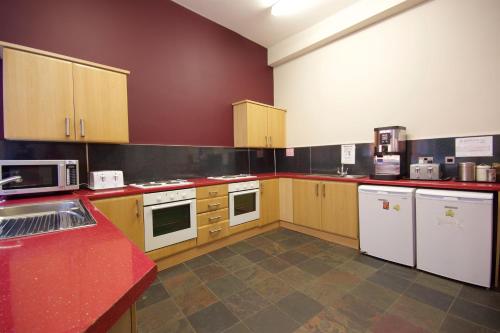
{"x": 482, "y": 172}
{"x": 491, "y": 175}
{"x": 466, "y": 172}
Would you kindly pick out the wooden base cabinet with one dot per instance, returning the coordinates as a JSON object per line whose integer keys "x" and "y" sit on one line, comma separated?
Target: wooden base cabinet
{"x": 127, "y": 214}
{"x": 326, "y": 206}
{"x": 269, "y": 201}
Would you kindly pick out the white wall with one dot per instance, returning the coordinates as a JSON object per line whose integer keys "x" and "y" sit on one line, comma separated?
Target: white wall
{"x": 434, "y": 69}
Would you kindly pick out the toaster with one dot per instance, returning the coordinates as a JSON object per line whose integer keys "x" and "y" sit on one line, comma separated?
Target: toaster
{"x": 99, "y": 180}
{"x": 430, "y": 171}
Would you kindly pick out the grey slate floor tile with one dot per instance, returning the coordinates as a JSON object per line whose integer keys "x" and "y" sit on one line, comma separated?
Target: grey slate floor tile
{"x": 213, "y": 319}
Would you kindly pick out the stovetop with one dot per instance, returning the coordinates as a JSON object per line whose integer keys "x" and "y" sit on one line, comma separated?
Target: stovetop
{"x": 162, "y": 183}
{"x": 231, "y": 177}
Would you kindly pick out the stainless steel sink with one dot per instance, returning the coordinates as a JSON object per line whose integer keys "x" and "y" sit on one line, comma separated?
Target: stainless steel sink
{"x": 33, "y": 219}
{"x": 336, "y": 176}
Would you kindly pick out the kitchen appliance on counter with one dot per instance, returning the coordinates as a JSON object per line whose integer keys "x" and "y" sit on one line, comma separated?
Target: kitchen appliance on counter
{"x": 389, "y": 159}
{"x": 233, "y": 177}
{"x": 162, "y": 183}
{"x": 466, "y": 172}
{"x": 99, "y": 180}
{"x": 244, "y": 202}
{"x": 387, "y": 223}
{"x": 431, "y": 171}
{"x": 39, "y": 176}
{"x": 454, "y": 234}
{"x": 169, "y": 217}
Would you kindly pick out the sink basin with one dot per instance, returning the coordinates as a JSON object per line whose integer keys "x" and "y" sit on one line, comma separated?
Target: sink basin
{"x": 335, "y": 176}
{"x": 33, "y": 219}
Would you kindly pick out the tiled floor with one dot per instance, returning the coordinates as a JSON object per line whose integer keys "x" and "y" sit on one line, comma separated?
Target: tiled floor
{"x": 285, "y": 281}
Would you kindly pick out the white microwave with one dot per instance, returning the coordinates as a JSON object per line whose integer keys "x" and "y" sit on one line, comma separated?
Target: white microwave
{"x": 38, "y": 176}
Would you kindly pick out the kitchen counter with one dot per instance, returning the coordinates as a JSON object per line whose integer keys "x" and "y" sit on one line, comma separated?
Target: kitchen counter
{"x": 199, "y": 182}
{"x": 70, "y": 281}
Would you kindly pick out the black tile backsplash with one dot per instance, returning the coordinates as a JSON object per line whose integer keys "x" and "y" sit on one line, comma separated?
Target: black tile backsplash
{"x": 300, "y": 162}
{"x": 261, "y": 160}
{"x": 326, "y": 159}
{"x": 34, "y": 150}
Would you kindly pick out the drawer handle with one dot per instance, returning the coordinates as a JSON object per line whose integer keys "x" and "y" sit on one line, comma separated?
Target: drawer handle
{"x": 214, "y": 205}
{"x": 215, "y": 231}
{"x": 213, "y": 193}
{"x": 215, "y": 218}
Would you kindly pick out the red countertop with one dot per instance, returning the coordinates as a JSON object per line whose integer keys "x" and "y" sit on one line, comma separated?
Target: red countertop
{"x": 70, "y": 281}
{"x": 198, "y": 182}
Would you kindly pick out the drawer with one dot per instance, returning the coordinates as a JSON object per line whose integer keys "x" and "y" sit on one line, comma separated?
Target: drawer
{"x": 212, "y": 217}
{"x": 209, "y": 205}
{"x": 213, "y": 232}
{"x": 211, "y": 191}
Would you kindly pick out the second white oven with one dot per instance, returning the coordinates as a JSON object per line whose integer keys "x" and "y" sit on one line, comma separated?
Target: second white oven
{"x": 244, "y": 202}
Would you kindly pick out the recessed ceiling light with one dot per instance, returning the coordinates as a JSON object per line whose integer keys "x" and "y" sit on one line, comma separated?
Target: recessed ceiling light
{"x": 288, "y": 7}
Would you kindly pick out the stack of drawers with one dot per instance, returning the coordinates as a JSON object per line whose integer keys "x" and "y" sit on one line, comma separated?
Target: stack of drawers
{"x": 213, "y": 214}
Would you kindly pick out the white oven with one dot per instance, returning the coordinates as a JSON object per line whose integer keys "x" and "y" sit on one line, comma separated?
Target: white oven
{"x": 169, "y": 217}
{"x": 244, "y": 202}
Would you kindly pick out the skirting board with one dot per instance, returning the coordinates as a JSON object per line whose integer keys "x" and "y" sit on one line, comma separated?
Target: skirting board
{"x": 345, "y": 241}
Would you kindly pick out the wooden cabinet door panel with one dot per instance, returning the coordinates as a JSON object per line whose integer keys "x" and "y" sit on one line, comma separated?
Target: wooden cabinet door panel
{"x": 38, "y": 97}
{"x": 269, "y": 201}
{"x": 101, "y": 110}
{"x": 257, "y": 125}
{"x": 340, "y": 208}
{"x": 276, "y": 127}
{"x": 307, "y": 203}
{"x": 127, "y": 214}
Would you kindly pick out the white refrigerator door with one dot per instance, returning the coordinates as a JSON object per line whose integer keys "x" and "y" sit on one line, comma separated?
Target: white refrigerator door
{"x": 454, "y": 235}
{"x": 387, "y": 223}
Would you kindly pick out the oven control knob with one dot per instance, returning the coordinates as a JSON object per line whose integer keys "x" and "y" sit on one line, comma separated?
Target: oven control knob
{"x": 184, "y": 195}
{"x": 158, "y": 199}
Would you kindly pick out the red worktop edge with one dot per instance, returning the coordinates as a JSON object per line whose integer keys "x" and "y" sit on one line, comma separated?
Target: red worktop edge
{"x": 199, "y": 182}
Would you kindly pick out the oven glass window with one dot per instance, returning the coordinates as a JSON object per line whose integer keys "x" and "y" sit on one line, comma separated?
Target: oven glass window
{"x": 171, "y": 219}
{"x": 244, "y": 203}
{"x": 33, "y": 176}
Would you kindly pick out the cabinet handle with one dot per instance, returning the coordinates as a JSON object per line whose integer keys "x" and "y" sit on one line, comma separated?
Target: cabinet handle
{"x": 266, "y": 141}
{"x": 213, "y": 193}
{"x": 66, "y": 126}
{"x": 214, "y": 218}
{"x": 270, "y": 141}
{"x": 324, "y": 190}
{"x": 215, "y": 231}
{"x": 317, "y": 189}
{"x": 261, "y": 189}
{"x": 214, "y": 205}
{"x": 82, "y": 128}
{"x": 137, "y": 212}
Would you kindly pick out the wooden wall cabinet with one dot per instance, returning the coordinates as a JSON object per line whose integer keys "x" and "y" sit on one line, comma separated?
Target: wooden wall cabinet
{"x": 127, "y": 214}
{"x": 51, "y": 99}
{"x": 258, "y": 125}
{"x": 269, "y": 201}
{"x": 326, "y": 206}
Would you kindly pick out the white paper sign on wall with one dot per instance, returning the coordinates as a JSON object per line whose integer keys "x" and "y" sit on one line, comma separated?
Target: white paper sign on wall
{"x": 474, "y": 146}
{"x": 348, "y": 154}
{"x": 290, "y": 152}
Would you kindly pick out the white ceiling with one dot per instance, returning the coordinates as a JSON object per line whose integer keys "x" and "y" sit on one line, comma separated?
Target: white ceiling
{"x": 252, "y": 18}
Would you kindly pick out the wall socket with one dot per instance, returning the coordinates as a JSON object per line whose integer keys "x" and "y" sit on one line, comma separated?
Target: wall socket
{"x": 449, "y": 160}
{"x": 425, "y": 160}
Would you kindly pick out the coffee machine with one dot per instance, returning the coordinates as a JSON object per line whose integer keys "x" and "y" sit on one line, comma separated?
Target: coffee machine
{"x": 389, "y": 158}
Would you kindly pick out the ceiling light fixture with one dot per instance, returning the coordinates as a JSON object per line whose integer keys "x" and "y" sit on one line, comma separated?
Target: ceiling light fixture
{"x": 288, "y": 7}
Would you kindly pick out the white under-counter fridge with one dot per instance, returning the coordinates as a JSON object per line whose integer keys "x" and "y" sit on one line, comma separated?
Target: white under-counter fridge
{"x": 387, "y": 223}
{"x": 454, "y": 234}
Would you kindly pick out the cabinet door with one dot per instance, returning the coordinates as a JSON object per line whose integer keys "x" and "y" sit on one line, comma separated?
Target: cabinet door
{"x": 269, "y": 201}
{"x": 276, "y": 127}
{"x": 307, "y": 203}
{"x": 127, "y": 214}
{"x": 38, "y": 97}
{"x": 257, "y": 125}
{"x": 101, "y": 111}
{"x": 340, "y": 208}
{"x": 286, "y": 199}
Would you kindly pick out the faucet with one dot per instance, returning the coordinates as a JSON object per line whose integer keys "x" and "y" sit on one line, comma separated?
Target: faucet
{"x": 16, "y": 179}
{"x": 341, "y": 172}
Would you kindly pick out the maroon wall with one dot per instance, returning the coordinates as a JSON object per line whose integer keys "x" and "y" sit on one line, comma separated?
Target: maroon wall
{"x": 186, "y": 70}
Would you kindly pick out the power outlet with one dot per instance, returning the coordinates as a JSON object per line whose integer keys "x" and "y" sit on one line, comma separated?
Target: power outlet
{"x": 449, "y": 160}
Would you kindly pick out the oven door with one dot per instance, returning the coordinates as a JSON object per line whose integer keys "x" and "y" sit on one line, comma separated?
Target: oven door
{"x": 38, "y": 176}
{"x": 244, "y": 206}
{"x": 169, "y": 223}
